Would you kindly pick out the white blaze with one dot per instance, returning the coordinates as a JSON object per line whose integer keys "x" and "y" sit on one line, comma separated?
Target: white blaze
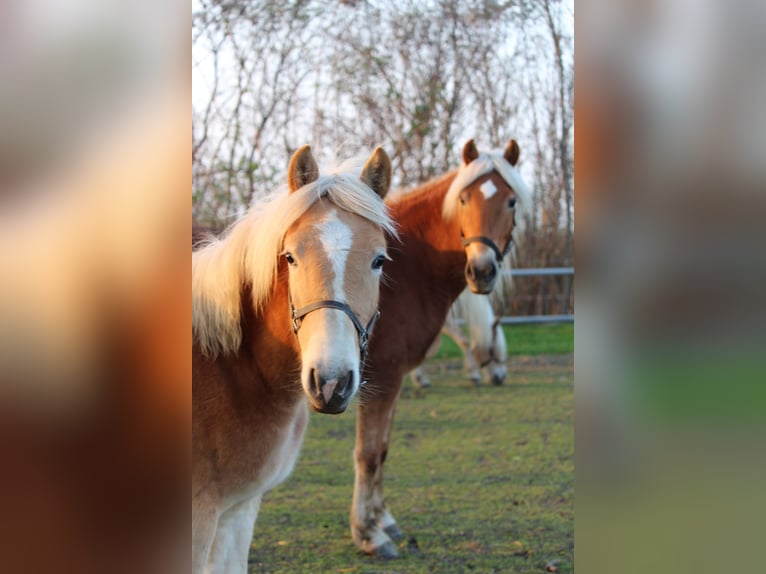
{"x": 488, "y": 189}
{"x": 336, "y": 238}
{"x": 333, "y": 347}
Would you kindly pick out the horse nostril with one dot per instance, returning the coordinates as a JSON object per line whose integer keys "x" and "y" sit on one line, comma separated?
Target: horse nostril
{"x": 470, "y": 272}
{"x": 346, "y": 384}
{"x": 491, "y": 273}
{"x": 314, "y": 383}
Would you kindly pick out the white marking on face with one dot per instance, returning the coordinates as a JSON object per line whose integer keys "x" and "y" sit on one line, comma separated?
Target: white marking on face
{"x": 336, "y": 238}
{"x": 488, "y": 189}
{"x": 480, "y": 254}
{"x": 333, "y": 348}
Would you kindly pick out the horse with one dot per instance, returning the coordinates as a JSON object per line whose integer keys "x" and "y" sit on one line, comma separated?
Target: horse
{"x": 454, "y": 231}
{"x": 282, "y": 308}
{"x": 484, "y": 348}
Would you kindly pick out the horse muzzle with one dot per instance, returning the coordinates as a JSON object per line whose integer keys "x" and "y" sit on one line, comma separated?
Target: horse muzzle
{"x": 481, "y": 275}
{"x": 497, "y": 376}
{"x": 330, "y": 392}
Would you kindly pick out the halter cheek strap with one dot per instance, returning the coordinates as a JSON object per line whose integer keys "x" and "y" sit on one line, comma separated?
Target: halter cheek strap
{"x": 364, "y": 332}
{"x": 499, "y": 255}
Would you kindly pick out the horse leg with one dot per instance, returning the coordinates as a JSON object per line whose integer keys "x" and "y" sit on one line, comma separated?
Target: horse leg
{"x": 372, "y": 526}
{"x": 471, "y": 364}
{"x": 204, "y": 524}
{"x": 386, "y": 521}
{"x": 233, "y": 537}
{"x": 469, "y": 361}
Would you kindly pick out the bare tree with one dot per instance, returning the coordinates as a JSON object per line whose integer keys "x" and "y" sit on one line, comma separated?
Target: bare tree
{"x": 251, "y": 104}
{"x": 419, "y": 78}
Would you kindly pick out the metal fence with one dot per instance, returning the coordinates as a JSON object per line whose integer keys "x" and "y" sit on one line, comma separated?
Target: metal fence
{"x": 507, "y": 320}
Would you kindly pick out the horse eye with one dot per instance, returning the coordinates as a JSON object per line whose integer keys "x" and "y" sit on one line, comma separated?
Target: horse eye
{"x": 512, "y": 202}
{"x": 377, "y": 263}
{"x": 462, "y": 199}
{"x": 289, "y": 258}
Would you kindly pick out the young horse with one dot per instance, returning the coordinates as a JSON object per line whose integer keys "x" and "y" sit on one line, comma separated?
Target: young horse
{"x": 282, "y": 307}
{"x": 454, "y": 230}
{"x": 484, "y": 349}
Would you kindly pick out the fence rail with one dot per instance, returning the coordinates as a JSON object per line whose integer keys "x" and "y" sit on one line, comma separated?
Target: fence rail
{"x": 531, "y": 272}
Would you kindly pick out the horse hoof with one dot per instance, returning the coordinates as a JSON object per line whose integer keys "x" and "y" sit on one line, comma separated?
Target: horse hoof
{"x": 393, "y": 532}
{"x": 423, "y": 383}
{"x": 386, "y": 551}
{"x": 497, "y": 381}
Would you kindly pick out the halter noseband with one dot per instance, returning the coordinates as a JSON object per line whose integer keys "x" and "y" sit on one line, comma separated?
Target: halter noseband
{"x": 364, "y": 332}
{"x": 499, "y": 255}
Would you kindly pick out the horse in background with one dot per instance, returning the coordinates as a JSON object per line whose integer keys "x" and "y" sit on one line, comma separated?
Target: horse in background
{"x": 454, "y": 231}
{"x": 484, "y": 348}
{"x": 282, "y": 308}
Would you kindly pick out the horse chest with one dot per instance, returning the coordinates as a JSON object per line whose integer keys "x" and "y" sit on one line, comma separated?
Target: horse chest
{"x": 284, "y": 453}
{"x": 274, "y": 453}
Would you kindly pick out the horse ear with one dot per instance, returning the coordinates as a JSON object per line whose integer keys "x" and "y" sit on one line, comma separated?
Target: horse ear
{"x": 376, "y": 173}
{"x": 511, "y": 153}
{"x": 303, "y": 168}
{"x": 470, "y": 152}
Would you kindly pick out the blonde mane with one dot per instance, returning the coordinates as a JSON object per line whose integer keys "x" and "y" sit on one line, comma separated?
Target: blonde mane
{"x": 247, "y": 254}
{"x": 482, "y": 165}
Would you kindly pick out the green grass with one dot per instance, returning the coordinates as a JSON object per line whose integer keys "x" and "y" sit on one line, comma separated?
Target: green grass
{"x": 525, "y": 340}
{"x": 481, "y": 477}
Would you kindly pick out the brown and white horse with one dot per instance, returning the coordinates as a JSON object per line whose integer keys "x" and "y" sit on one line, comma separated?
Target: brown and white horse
{"x": 454, "y": 230}
{"x": 484, "y": 348}
{"x": 282, "y": 306}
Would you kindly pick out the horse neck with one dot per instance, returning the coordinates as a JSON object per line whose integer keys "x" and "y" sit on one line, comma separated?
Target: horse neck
{"x": 269, "y": 346}
{"x": 432, "y": 243}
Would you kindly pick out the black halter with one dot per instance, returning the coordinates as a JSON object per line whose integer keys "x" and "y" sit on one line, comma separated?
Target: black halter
{"x": 499, "y": 255}
{"x": 364, "y": 332}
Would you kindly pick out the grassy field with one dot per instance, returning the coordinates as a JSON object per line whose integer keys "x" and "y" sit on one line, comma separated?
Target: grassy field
{"x": 525, "y": 340}
{"x": 480, "y": 479}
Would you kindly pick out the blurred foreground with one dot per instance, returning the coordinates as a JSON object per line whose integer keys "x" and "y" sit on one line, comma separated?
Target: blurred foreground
{"x": 670, "y": 372}
{"x": 94, "y": 295}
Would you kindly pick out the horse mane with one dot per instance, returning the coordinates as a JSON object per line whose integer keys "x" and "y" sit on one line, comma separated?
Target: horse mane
{"x": 482, "y": 165}
{"x": 247, "y": 254}
{"x": 407, "y": 196}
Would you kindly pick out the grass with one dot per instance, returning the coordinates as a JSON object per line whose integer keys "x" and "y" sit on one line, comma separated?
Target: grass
{"x": 525, "y": 340}
{"x": 480, "y": 479}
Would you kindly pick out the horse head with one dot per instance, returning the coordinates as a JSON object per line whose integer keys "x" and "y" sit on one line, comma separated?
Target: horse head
{"x": 334, "y": 259}
{"x": 487, "y": 189}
